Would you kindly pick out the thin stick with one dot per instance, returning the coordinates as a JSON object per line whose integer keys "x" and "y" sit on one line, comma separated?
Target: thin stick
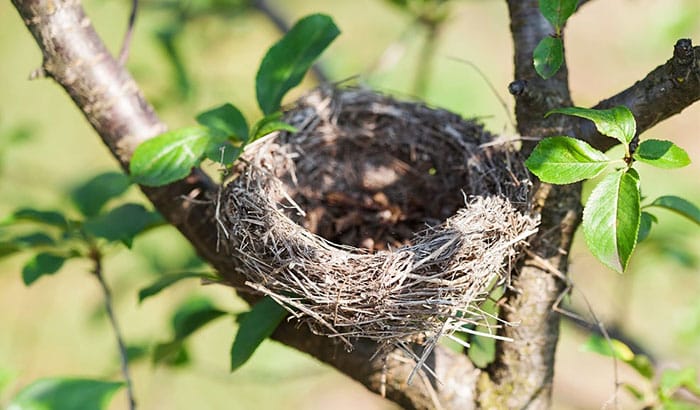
{"x": 126, "y": 43}
{"x": 96, "y": 257}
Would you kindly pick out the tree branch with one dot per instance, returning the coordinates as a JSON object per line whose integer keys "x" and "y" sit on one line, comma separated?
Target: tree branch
{"x": 75, "y": 57}
{"x": 664, "y": 92}
{"x": 521, "y": 375}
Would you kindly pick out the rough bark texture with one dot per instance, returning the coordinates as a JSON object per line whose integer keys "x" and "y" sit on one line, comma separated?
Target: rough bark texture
{"x": 521, "y": 376}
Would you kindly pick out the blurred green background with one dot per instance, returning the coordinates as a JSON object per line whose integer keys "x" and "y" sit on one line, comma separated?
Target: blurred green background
{"x": 58, "y": 327}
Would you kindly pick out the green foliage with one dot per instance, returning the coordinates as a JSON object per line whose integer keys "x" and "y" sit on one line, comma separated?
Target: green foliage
{"x": 123, "y": 223}
{"x": 226, "y": 122}
{"x": 617, "y": 122}
{"x": 565, "y": 160}
{"x": 189, "y": 317}
{"x": 613, "y": 221}
{"x": 255, "y": 326}
{"x": 269, "y": 124}
{"x": 224, "y": 130}
{"x": 168, "y": 280}
{"x": 65, "y": 394}
{"x": 285, "y": 64}
{"x": 170, "y": 156}
{"x": 557, "y": 12}
{"x": 662, "y": 154}
{"x": 44, "y": 263}
{"x": 679, "y": 206}
{"x": 51, "y": 218}
{"x": 92, "y": 196}
{"x": 548, "y": 56}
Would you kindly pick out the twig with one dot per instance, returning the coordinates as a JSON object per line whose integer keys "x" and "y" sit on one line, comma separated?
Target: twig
{"x": 126, "y": 43}
{"x": 96, "y": 257}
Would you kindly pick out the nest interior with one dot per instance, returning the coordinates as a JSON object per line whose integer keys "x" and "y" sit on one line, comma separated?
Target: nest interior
{"x": 378, "y": 219}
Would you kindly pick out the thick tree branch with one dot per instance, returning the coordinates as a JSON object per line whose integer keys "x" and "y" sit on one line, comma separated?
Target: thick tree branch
{"x": 111, "y": 101}
{"x": 664, "y": 92}
{"x": 521, "y": 375}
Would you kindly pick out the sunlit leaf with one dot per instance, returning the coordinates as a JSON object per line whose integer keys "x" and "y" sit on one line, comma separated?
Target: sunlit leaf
{"x": 548, "y": 56}
{"x": 123, "y": 223}
{"x": 169, "y": 156}
{"x": 44, "y": 263}
{"x": 679, "y": 206}
{"x": 662, "y": 154}
{"x": 255, "y": 326}
{"x": 610, "y": 348}
{"x": 611, "y": 219}
{"x": 642, "y": 365}
{"x": 672, "y": 380}
{"x": 225, "y": 121}
{"x": 617, "y": 122}
{"x": 169, "y": 280}
{"x": 91, "y": 196}
{"x": 65, "y": 394}
{"x": 565, "y": 160}
{"x": 286, "y": 62}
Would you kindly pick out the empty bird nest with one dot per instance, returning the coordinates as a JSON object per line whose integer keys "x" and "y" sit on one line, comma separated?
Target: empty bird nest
{"x": 377, "y": 219}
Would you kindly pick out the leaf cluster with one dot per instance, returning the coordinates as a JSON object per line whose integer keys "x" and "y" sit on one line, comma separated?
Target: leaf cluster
{"x": 614, "y": 220}
{"x": 548, "y": 56}
{"x": 665, "y": 383}
{"x": 223, "y": 131}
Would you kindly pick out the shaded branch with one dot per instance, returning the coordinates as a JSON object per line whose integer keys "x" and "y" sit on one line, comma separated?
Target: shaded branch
{"x": 75, "y": 57}
{"x": 664, "y": 92}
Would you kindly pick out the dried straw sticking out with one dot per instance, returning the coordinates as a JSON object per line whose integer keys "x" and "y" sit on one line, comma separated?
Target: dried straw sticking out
{"x": 443, "y": 216}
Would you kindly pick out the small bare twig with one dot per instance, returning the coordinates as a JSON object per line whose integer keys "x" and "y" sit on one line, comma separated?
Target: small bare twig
{"x": 126, "y": 43}
{"x": 96, "y": 257}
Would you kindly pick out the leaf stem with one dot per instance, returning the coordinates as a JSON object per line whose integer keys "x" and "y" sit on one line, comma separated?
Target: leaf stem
{"x": 96, "y": 257}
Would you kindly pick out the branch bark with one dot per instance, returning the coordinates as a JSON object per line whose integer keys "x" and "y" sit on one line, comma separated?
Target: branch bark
{"x": 109, "y": 98}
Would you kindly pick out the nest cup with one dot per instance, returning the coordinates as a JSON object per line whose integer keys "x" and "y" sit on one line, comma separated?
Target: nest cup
{"x": 378, "y": 219}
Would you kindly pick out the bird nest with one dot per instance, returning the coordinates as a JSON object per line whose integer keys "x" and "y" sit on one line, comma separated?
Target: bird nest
{"x": 377, "y": 219}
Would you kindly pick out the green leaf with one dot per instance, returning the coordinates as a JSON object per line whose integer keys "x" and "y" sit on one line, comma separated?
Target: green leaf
{"x": 634, "y": 391}
{"x": 225, "y": 121}
{"x": 192, "y": 315}
{"x": 172, "y": 354}
{"x": 558, "y": 11}
{"x": 169, "y": 280}
{"x": 565, "y": 160}
{"x": 617, "y": 122}
{"x": 645, "y": 223}
{"x": 169, "y": 156}
{"x": 52, "y": 218}
{"x": 91, "y": 196}
{"x": 41, "y": 264}
{"x": 548, "y": 56}
{"x": 223, "y": 152}
{"x": 679, "y": 206}
{"x": 65, "y": 394}
{"x": 609, "y": 348}
{"x": 286, "y": 62}
{"x": 611, "y": 219}
{"x": 662, "y": 154}
{"x": 135, "y": 352}
{"x": 642, "y": 365}
{"x": 269, "y": 124}
{"x": 255, "y": 326}
{"x": 672, "y": 380}
{"x": 22, "y": 242}
{"x": 122, "y": 223}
